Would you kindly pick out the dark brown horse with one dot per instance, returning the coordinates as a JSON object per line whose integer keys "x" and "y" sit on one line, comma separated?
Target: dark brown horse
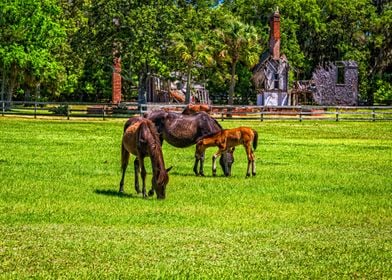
{"x": 227, "y": 139}
{"x": 141, "y": 139}
{"x": 181, "y": 130}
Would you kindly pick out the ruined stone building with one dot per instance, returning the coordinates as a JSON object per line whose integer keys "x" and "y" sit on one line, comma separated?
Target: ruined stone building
{"x": 270, "y": 75}
{"x": 334, "y": 84}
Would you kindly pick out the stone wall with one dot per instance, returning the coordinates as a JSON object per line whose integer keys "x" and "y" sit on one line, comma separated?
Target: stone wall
{"x": 334, "y": 88}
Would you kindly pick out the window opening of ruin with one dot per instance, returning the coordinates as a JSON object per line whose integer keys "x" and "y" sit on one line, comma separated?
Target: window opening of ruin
{"x": 340, "y": 75}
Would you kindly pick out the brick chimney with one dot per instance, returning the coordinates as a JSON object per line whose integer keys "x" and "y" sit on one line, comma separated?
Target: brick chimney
{"x": 116, "y": 81}
{"x": 274, "y": 42}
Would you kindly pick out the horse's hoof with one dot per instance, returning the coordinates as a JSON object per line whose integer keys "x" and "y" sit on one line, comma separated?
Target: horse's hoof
{"x": 247, "y": 175}
{"x": 150, "y": 193}
{"x": 254, "y": 174}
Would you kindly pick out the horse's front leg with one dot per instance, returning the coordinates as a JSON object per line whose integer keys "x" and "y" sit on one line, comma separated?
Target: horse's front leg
{"x": 214, "y": 157}
{"x": 195, "y": 166}
{"x": 137, "y": 170}
{"x": 201, "y": 170}
{"x": 199, "y": 157}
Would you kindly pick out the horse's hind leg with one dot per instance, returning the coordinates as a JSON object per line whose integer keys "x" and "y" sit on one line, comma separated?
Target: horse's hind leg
{"x": 137, "y": 170}
{"x": 250, "y": 156}
{"x": 124, "y": 165}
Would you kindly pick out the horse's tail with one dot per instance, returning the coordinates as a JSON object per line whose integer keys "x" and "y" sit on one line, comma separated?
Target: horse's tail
{"x": 255, "y": 139}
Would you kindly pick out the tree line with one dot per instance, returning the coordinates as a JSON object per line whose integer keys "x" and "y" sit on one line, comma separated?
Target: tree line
{"x": 63, "y": 49}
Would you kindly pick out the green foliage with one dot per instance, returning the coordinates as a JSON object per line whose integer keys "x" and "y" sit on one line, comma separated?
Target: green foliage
{"x": 383, "y": 94}
{"x": 61, "y": 110}
{"x": 66, "y": 48}
{"x": 31, "y": 40}
{"x": 319, "y": 207}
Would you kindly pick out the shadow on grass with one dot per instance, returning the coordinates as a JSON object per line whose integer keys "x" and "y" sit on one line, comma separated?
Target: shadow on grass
{"x": 219, "y": 175}
{"x": 113, "y": 193}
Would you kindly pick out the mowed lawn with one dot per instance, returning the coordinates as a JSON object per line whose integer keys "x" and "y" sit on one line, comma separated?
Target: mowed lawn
{"x": 320, "y": 206}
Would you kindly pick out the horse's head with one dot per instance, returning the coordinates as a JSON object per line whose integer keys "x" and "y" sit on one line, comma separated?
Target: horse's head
{"x": 226, "y": 161}
{"x": 159, "y": 183}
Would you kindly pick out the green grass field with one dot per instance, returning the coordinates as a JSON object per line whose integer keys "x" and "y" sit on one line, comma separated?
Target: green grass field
{"x": 319, "y": 207}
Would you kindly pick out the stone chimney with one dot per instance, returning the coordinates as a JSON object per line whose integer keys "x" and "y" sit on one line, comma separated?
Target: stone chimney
{"x": 274, "y": 43}
{"x": 116, "y": 81}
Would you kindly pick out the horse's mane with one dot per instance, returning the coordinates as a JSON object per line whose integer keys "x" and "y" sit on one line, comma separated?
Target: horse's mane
{"x": 156, "y": 148}
{"x": 147, "y": 124}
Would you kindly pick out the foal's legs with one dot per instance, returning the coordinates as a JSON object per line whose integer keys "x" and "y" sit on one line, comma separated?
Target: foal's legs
{"x": 124, "y": 165}
{"x": 251, "y": 160}
{"x": 222, "y": 148}
{"x": 253, "y": 165}
{"x": 214, "y": 157}
{"x": 137, "y": 170}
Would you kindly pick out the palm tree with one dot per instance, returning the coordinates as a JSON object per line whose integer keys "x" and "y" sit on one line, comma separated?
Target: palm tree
{"x": 193, "y": 51}
{"x": 240, "y": 44}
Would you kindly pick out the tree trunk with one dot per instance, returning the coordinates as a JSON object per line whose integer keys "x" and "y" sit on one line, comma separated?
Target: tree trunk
{"x": 11, "y": 86}
{"x": 142, "y": 87}
{"x": 231, "y": 90}
{"x": 3, "y": 83}
{"x": 188, "y": 87}
{"x": 232, "y": 84}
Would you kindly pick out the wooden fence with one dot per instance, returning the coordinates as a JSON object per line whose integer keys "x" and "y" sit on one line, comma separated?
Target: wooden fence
{"x": 259, "y": 113}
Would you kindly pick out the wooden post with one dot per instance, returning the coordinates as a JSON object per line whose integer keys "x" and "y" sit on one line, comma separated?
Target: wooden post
{"x": 35, "y": 109}
{"x": 373, "y": 114}
{"x": 67, "y": 111}
{"x": 337, "y": 114}
{"x": 300, "y": 114}
{"x": 262, "y": 115}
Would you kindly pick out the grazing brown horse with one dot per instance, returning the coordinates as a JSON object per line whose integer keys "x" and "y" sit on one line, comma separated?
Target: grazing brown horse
{"x": 228, "y": 138}
{"x": 182, "y": 130}
{"x": 141, "y": 139}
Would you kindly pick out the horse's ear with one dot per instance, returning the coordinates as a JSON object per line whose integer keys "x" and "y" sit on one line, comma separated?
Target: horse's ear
{"x": 168, "y": 169}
